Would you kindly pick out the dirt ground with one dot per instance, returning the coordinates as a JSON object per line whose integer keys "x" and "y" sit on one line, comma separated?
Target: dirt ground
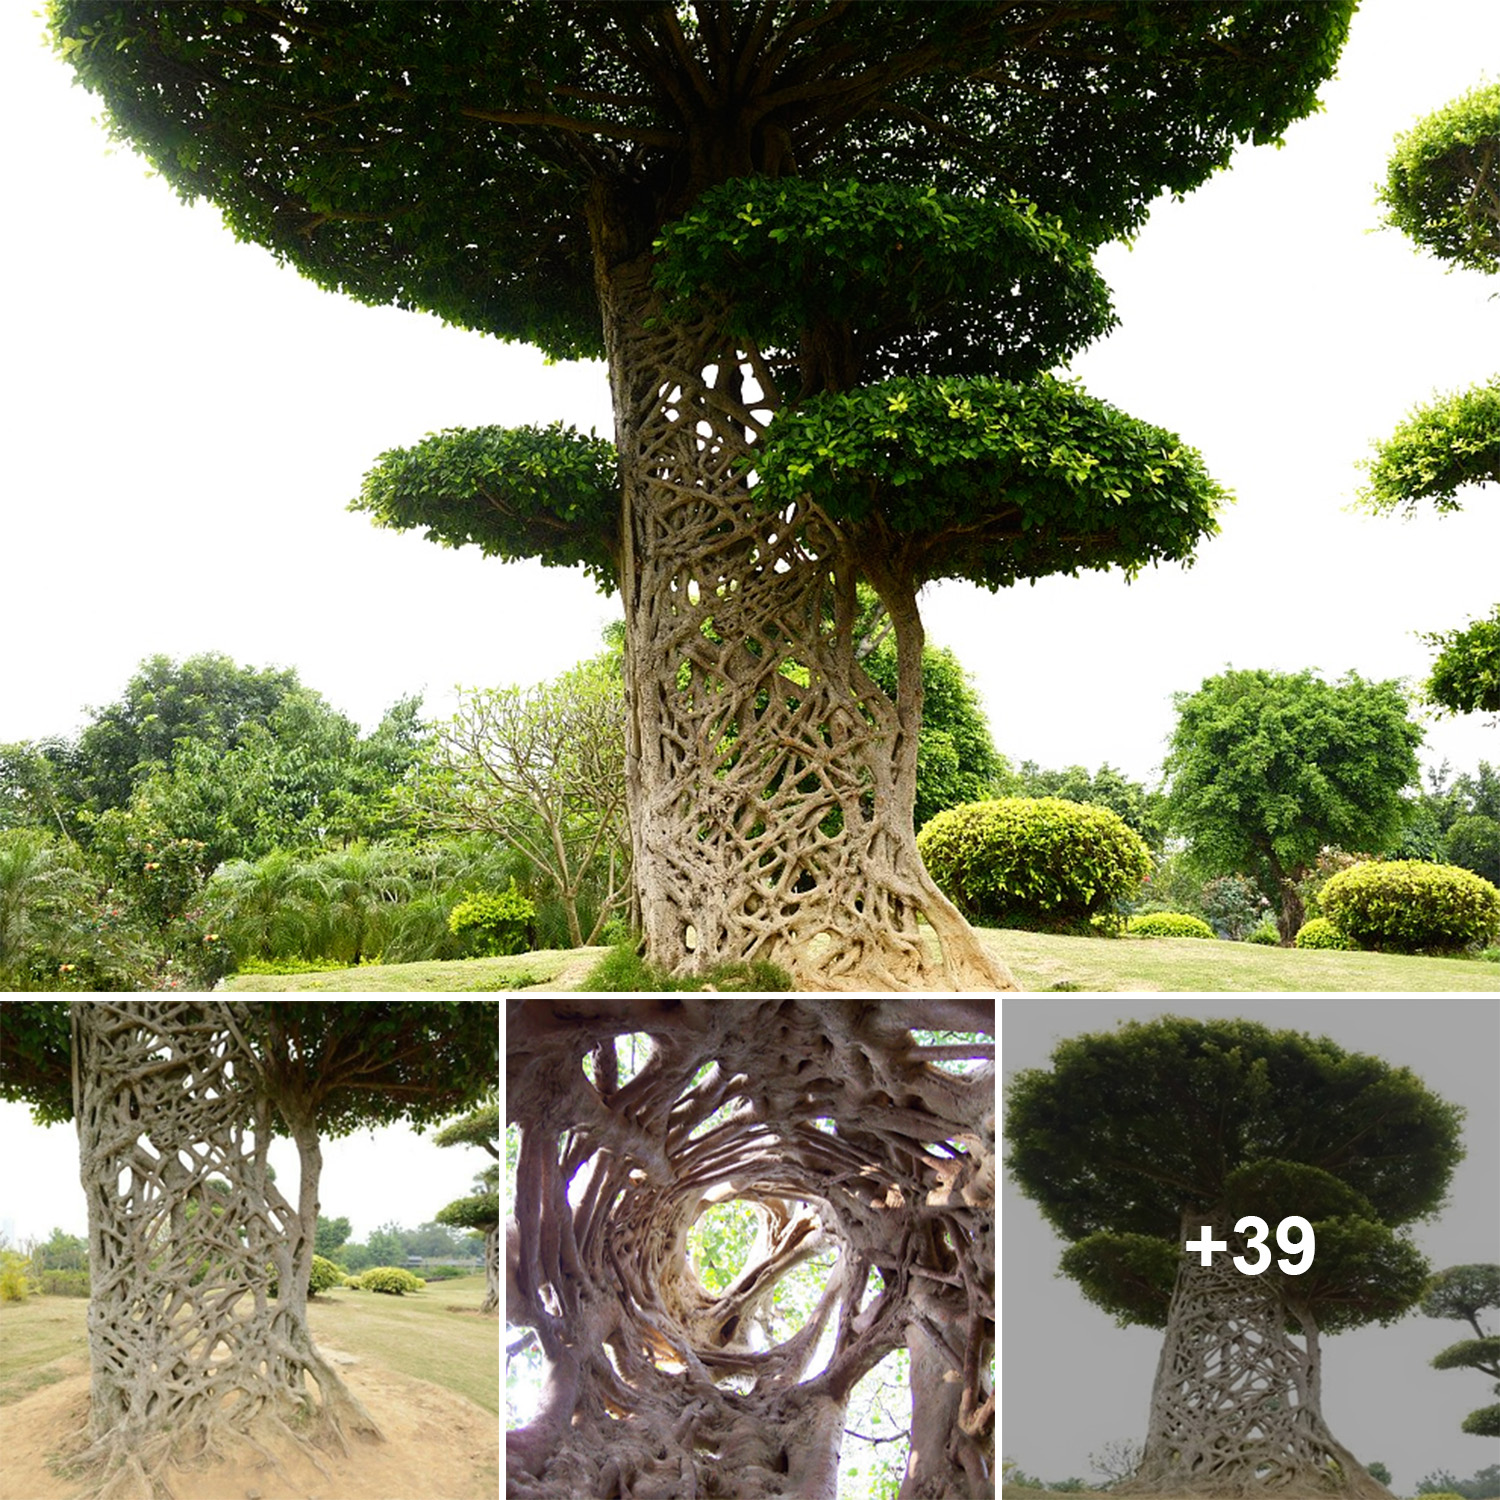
{"x": 438, "y": 1446}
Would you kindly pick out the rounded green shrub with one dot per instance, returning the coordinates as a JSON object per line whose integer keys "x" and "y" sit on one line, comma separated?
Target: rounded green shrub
{"x": 1407, "y": 906}
{"x": 492, "y": 924}
{"x": 1266, "y": 935}
{"x": 325, "y": 1275}
{"x": 390, "y": 1279}
{"x": 1319, "y": 932}
{"x": 1174, "y": 924}
{"x": 1034, "y": 862}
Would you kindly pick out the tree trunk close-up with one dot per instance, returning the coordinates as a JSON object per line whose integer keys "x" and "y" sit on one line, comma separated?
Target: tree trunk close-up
{"x": 846, "y": 1143}
{"x": 188, "y": 1344}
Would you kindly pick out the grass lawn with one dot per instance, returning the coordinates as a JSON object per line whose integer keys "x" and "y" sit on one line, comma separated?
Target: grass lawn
{"x": 1042, "y": 962}
{"x": 45, "y": 1339}
{"x": 1039, "y": 961}
{"x": 42, "y": 1340}
{"x": 418, "y": 1334}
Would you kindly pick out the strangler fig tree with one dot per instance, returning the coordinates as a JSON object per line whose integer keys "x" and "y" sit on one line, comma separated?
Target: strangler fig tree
{"x": 748, "y": 210}
{"x": 1135, "y": 1141}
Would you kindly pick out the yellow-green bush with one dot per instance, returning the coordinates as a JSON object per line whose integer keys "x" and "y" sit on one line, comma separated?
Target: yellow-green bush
{"x": 1034, "y": 862}
{"x": 390, "y": 1279}
{"x": 14, "y": 1285}
{"x": 1408, "y": 906}
{"x": 1175, "y": 924}
{"x": 1319, "y": 932}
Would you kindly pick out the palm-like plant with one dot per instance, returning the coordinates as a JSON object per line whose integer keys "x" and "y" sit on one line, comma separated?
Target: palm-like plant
{"x": 41, "y": 893}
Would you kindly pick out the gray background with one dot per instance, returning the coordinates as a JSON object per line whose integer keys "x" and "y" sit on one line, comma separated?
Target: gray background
{"x": 1071, "y": 1381}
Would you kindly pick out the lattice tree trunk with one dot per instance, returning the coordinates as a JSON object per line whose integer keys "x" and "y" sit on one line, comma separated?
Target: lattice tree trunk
{"x": 491, "y": 1270}
{"x": 654, "y": 1387}
{"x": 186, "y": 1343}
{"x": 771, "y": 781}
{"x": 1237, "y": 1404}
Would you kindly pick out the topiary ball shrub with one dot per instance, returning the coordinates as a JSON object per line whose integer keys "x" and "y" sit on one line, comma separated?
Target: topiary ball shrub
{"x": 1173, "y": 924}
{"x": 325, "y": 1275}
{"x": 1034, "y": 862}
{"x": 1319, "y": 932}
{"x": 391, "y": 1279}
{"x": 1407, "y": 906}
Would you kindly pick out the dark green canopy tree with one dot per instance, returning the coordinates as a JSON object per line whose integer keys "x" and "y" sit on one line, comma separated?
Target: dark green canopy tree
{"x": 746, "y": 209}
{"x": 480, "y": 1210}
{"x": 1442, "y": 190}
{"x": 1464, "y": 1292}
{"x": 176, "y": 1103}
{"x": 1135, "y": 1139}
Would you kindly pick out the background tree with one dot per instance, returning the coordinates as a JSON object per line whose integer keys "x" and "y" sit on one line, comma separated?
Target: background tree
{"x": 1141, "y": 808}
{"x": 542, "y": 769}
{"x": 330, "y": 1235}
{"x": 748, "y": 210}
{"x": 1135, "y": 1139}
{"x": 1267, "y": 768}
{"x": 1442, "y": 190}
{"x": 211, "y": 1081}
{"x": 480, "y": 1211}
{"x": 1464, "y": 1292}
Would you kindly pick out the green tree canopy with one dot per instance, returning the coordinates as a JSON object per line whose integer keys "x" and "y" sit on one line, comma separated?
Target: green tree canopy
{"x": 1108, "y": 787}
{"x": 1130, "y": 1129}
{"x": 1442, "y": 187}
{"x": 1466, "y": 671}
{"x": 1267, "y": 768}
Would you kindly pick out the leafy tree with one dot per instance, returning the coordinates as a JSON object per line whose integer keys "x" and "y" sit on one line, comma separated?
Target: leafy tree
{"x": 481, "y": 1211}
{"x": 543, "y": 769}
{"x": 1378, "y": 1470}
{"x": 33, "y": 787}
{"x": 1442, "y": 190}
{"x": 387, "y": 1245}
{"x": 1135, "y": 1139}
{"x": 61, "y": 1252}
{"x": 1485, "y": 1485}
{"x": 1265, "y": 769}
{"x": 330, "y": 1235}
{"x": 750, "y": 211}
{"x": 1464, "y": 1292}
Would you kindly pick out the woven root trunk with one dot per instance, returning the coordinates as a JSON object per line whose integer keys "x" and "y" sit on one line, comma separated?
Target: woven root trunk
{"x": 771, "y": 781}
{"x": 189, "y": 1350}
{"x": 653, "y": 1387}
{"x": 1237, "y": 1405}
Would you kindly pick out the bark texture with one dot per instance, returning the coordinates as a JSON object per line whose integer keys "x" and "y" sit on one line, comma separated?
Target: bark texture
{"x": 186, "y": 1234}
{"x": 1237, "y": 1404}
{"x": 825, "y": 1117}
{"x": 770, "y": 781}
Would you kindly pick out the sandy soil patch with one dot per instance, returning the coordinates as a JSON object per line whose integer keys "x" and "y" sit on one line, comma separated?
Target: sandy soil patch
{"x": 438, "y": 1446}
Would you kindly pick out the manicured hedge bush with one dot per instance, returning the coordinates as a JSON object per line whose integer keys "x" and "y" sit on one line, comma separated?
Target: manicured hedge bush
{"x": 1406, "y": 906}
{"x": 1319, "y": 932}
{"x": 1034, "y": 862}
{"x": 492, "y": 924}
{"x": 1169, "y": 924}
{"x": 390, "y": 1279}
{"x": 1266, "y": 935}
{"x": 324, "y": 1275}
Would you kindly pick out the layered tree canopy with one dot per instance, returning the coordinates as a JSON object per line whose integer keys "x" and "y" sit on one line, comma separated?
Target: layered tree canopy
{"x": 1132, "y": 1129}
{"x": 917, "y": 197}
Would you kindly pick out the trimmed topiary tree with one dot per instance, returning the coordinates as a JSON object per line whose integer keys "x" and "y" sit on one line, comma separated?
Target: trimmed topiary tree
{"x": 1034, "y": 862}
{"x": 482, "y": 1210}
{"x": 1169, "y": 924}
{"x": 1407, "y": 906}
{"x": 1463, "y": 1292}
{"x": 1137, "y": 1141}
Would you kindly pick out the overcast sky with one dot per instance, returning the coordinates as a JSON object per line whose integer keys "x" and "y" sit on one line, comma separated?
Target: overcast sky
{"x": 186, "y": 421}
{"x": 370, "y": 1178}
{"x": 1071, "y": 1381}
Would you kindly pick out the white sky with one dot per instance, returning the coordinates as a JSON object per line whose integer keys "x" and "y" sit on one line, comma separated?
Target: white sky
{"x": 370, "y": 1178}
{"x": 185, "y": 422}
